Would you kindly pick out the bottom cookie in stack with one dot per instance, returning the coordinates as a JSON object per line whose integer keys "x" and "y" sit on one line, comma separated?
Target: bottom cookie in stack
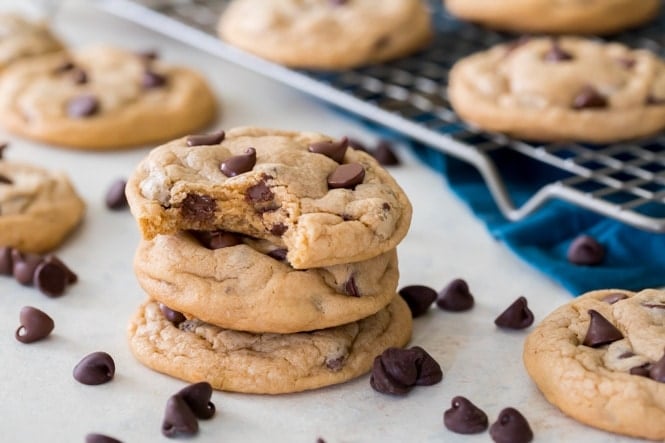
{"x": 267, "y": 363}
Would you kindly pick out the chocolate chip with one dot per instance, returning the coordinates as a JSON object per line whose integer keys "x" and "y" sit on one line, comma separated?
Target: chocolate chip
{"x": 148, "y": 55}
{"x": 259, "y": 193}
{"x": 384, "y": 154}
{"x": 5, "y": 180}
{"x": 396, "y": 370}
{"x": 657, "y": 370}
{"x": 115, "y": 196}
{"x": 95, "y": 369}
{"x": 198, "y": 208}
{"x": 516, "y": 316}
{"x": 515, "y": 44}
{"x": 654, "y": 305}
{"x": 100, "y": 438}
{"x": 350, "y": 287}
{"x": 346, "y": 176}
{"x": 642, "y": 370}
{"x": 79, "y": 76}
{"x": 50, "y": 278}
{"x": 511, "y": 427}
{"x": 197, "y": 396}
{"x": 24, "y": 266}
{"x": 455, "y": 297}
{"x": 651, "y": 100}
{"x": 333, "y": 150}
{"x": 278, "y": 229}
{"x": 3, "y": 146}
{"x": 66, "y": 65}
{"x": 320, "y": 440}
{"x": 626, "y": 62}
{"x": 71, "y": 276}
{"x": 464, "y": 417}
{"x": 171, "y": 315}
{"x": 6, "y": 263}
{"x": 614, "y": 297}
{"x": 585, "y": 250}
{"x": 278, "y": 254}
{"x": 601, "y": 331}
{"x": 152, "y": 80}
{"x": 178, "y": 418}
{"x": 239, "y": 164}
{"x": 35, "y": 325}
{"x": 557, "y": 54}
{"x": 419, "y": 298}
{"x": 214, "y": 138}
{"x": 217, "y": 239}
{"x": 338, "y": 2}
{"x": 357, "y": 144}
{"x": 627, "y": 354}
{"x": 335, "y": 364}
{"x": 85, "y": 105}
{"x": 589, "y": 98}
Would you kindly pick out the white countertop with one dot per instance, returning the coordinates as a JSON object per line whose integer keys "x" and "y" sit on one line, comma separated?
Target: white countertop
{"x": 40, "y": 401}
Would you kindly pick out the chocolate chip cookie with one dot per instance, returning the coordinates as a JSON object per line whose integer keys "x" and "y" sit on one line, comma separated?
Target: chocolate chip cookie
{"x": 21, "y": 38}
{"x": 103, "y": 98}
{"x": 38, "y": 208}
{"x": 323, "y": 202}
{"x": 601, "y": 360}
{"x": 327, "y": 34}
{"x": 561, "y": 89}
{"x": 265, "y": 363}
{"x": 556, "y": 17}
{"x": 245, "y": 284}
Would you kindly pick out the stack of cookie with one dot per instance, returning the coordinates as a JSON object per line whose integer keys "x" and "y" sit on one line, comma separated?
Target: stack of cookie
{"x": 269, "y": 260}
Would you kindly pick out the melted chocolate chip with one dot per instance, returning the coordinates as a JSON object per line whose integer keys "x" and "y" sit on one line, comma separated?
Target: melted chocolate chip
{"x": 333, "y": 150}
{"x": 419, "y": 298}
{"x": 95, "y": 369}
{"x": 278, "y": 229}
{"x": 24, "y": 266}
{"x": 614, "y": 297}
{"x": 627, "y": 354}
{"x": 115, "y": 196}
{"x": 585, "y": 250}
{"x": 657, "y": 370}
{"x": 178, "y": 418}
{"x": 511, "y": 427}
{"x": 198, "y": 208}
{"x": 51, "y": 278}
{"x": 589, "y": 98}
{"x": 384, "y": 154}
{"x": 100, "y": 438}
{"x": 396, "y": 370}
{"x": 79, "y": 76}
{"x": 557, "y": 54}
{"x": 516, "y": 316}
{"x": 601, "y": 331}
{"x": 6, "y": 262}
{"x": 3, "y": 146}
{"x": 35, "y": 325}
{"x": 455, "y": 297}
{"x": 278, "y": 254}
{"x": 5, "y": 180}
{"x": 346, "y": 176}
{"x": 464, "y": 417}
{"x": 239, "y": 164}
{"x": 217, "y": 239}
{"x": 350, "y": 287}
{"x": 152, "y": 80}
{"x": 171, "y": 315}
{"x": 259, "y": 193}
{"x": 214, "y": 138}
{"x": 642, "y": 370}
{"x": 81, "y": 106}
{"x": 197, "y": 396}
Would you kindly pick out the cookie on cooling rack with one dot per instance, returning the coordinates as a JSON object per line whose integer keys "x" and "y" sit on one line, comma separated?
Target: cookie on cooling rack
{"x": 561, "y": 89}
{"x": 327, "y": 34}
{"x": 103, "y": 98}
{"x": 556, "y": 17}
{"x": 601, "y": 360}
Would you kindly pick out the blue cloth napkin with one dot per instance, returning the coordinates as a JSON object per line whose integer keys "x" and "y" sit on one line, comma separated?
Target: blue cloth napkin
{"x": 634, "y": 260}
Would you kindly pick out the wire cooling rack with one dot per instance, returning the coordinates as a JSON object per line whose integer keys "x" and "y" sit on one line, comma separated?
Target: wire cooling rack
{"x": 624, "y": 181}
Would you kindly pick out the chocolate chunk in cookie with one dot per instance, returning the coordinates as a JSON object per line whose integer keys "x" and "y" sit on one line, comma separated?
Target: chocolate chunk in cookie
{"x": 601, "y": 331}
{"x": 346, "y": 176}
{"x": 333, "y": 150}
{"x": 239, "y": 164}
{"x": 82, "y": 106}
